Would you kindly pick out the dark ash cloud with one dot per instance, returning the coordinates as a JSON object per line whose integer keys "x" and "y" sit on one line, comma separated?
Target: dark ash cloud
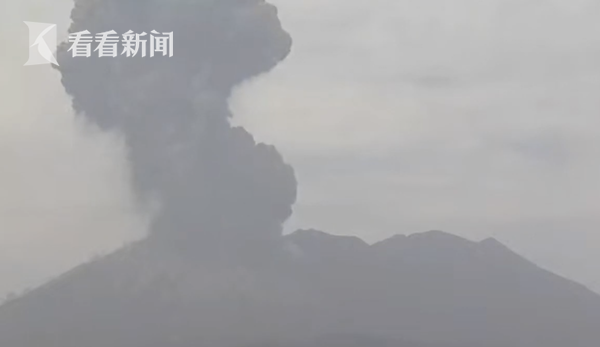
{"x": 212, "y": 180}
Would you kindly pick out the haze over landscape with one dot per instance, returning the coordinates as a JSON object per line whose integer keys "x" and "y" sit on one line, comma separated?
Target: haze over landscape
{"x": 459, "y": 111}
{"x": 389, "y": 118}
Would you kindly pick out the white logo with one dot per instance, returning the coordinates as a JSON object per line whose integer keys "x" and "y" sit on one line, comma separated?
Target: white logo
{"x": 42, "y": 43}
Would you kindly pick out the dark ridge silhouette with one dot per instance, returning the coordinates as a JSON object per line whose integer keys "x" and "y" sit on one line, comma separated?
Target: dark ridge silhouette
{"x": 215, "y": 270}
{"x": 431, "y": 289}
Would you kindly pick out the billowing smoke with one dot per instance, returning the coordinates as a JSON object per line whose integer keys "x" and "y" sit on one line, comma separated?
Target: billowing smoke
{"x": 214, "y": 184}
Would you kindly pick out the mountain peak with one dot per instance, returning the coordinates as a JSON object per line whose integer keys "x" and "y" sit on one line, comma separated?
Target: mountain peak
{"x": 493, "y": 243}
{"x": 430, "y": 242}
{"x": 438, "y": 236}
{"x": 318, "y": 244}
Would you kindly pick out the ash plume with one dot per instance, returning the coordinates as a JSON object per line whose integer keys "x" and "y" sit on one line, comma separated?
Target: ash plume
{"x": 214, "y": 183}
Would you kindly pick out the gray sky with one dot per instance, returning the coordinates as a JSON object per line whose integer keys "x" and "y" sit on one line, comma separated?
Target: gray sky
{"x": 64, "y": 186}
{"x": 478, "y": 117}
{"x": 475, "y": 117}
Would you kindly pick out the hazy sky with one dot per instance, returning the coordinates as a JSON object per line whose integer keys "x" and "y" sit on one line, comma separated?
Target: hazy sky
{"x": 64, "y": 194}
{"x": 478, "y": 117}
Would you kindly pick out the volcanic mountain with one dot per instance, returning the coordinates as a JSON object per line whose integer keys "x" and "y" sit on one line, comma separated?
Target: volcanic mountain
{"x": 215, "y": 269}
{"x": 429, "y": 289}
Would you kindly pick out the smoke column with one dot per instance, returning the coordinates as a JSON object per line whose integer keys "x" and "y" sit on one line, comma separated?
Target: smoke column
{"x": 214, "y": 184}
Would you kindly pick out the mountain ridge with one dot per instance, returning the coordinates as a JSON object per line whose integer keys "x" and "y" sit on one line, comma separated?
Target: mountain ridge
{"x": 460, "y": 298}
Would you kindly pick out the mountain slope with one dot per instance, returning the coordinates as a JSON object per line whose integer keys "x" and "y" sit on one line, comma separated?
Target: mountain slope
{"x": 431, "y": 287}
